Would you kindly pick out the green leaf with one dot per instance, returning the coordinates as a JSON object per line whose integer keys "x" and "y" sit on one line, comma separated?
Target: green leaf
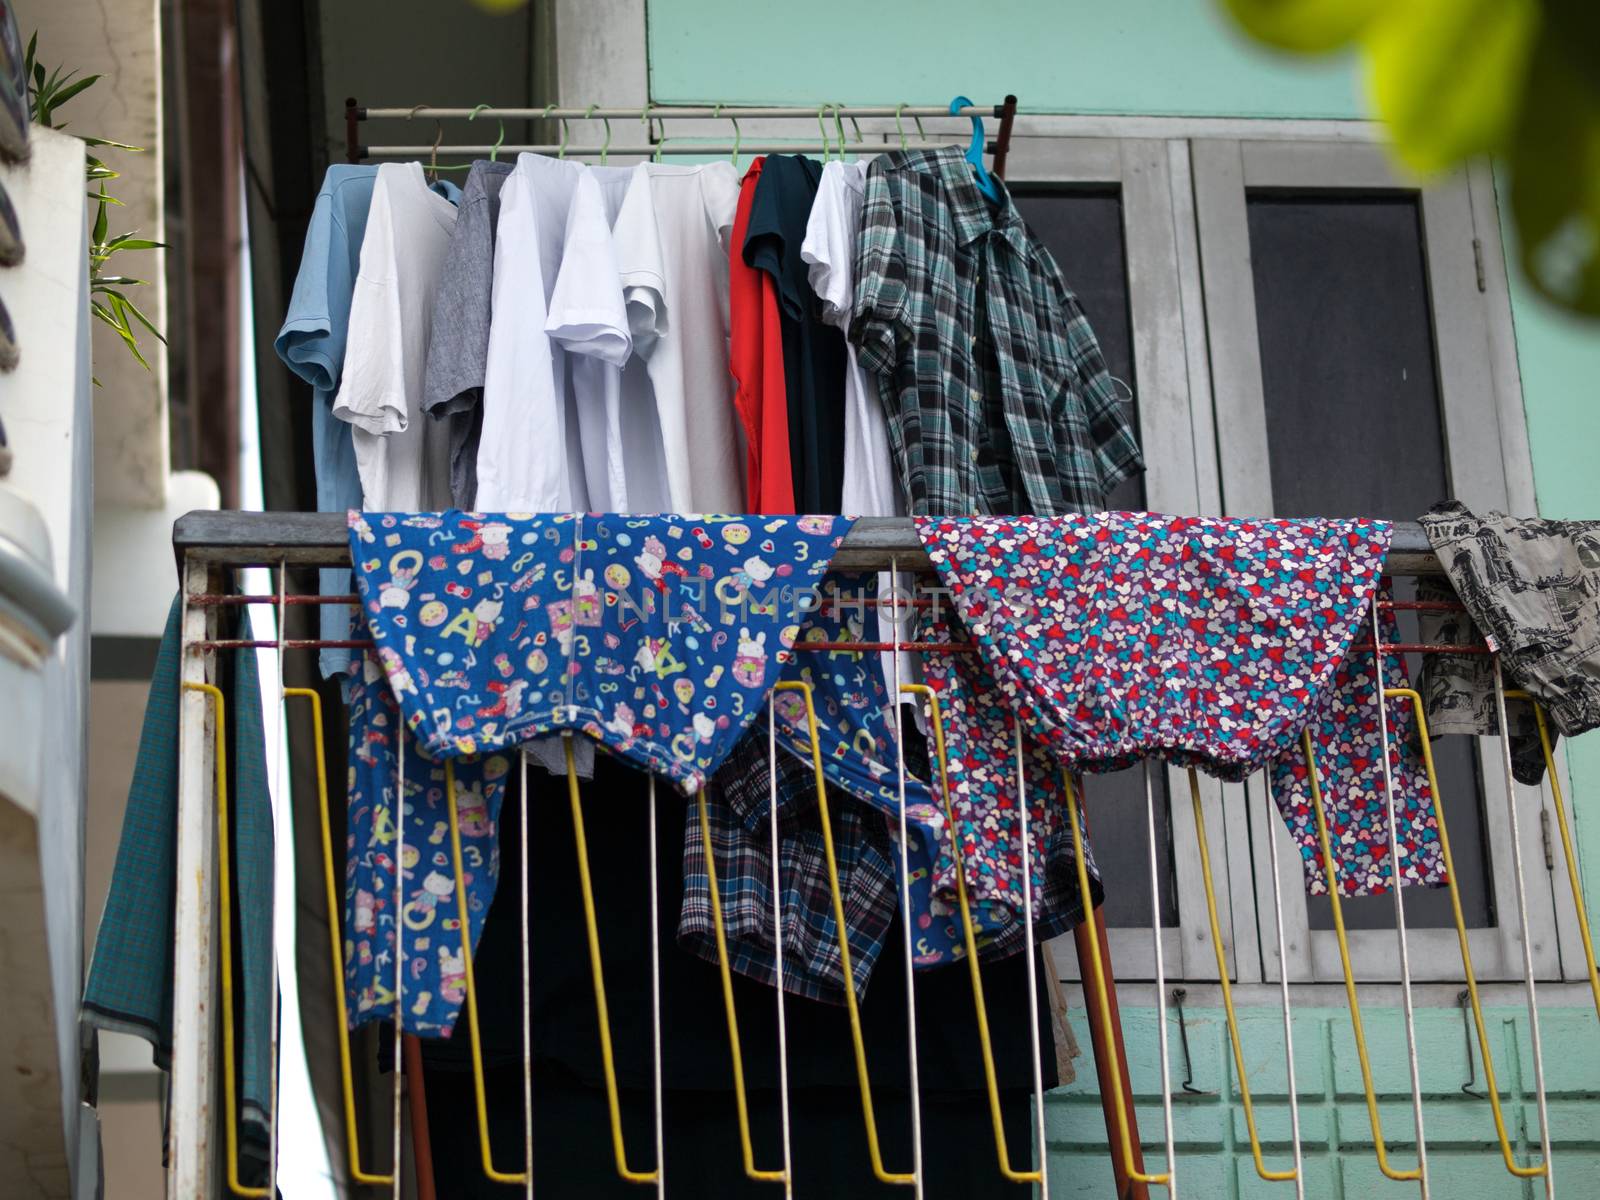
{"x": 1555, "y": 181}
{"x": 143, "y": 320}
{"x": 126, "y": 241}
{"x": 111, "y": 200}
{"x": 1448, "y": 75}
{"x": 107, "y": 281}
{"x": 99, "y": 234}
{"x": 30, "y": 55}
{"x": 67, "y": 93}
{"x": 119, "y": 322}
{"x": 95, "y": 141}
{"x": 1308, "y": 26}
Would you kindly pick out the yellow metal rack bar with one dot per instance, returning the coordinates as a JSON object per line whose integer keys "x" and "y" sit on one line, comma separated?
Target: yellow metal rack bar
{"x": 1566, "y": 843}
{"x": 1234, "y": 1038}
{"x": 335, "y": 951}
{"x": 230, "y": 1097}
{"x": 1097, "y": 981}
{"x": 608, "y": 1061}
{"x": 963, "y": 903}
{"x": 1331, "y": 874}
{"x": 479, "y": 1093}
{"x": 858, "y": 1043}
{"x": 746, "y": 1146}
{"x": 1484, "y": 1049}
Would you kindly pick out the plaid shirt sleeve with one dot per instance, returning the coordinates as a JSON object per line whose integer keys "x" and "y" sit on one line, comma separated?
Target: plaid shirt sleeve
{"x": 880, "y": 270}
{"x": 1091, "y": 391}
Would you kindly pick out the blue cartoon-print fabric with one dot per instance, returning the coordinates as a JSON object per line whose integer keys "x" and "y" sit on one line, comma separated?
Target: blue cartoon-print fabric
{"x": 850, "y": 701}
{"x": 424, "y": 906}
{"x": 655, "y": 635}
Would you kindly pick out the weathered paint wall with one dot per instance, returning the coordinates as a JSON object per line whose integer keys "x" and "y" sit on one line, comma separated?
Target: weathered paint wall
{"x": 1180, "y": 57}
{"x": 1213, "y": 1141}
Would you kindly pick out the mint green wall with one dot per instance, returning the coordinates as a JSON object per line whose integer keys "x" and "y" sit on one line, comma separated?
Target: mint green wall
{"x": 1148, "y": 56}
{"x": 1214, "y": 1159}
{"x": 1180, "y": 57}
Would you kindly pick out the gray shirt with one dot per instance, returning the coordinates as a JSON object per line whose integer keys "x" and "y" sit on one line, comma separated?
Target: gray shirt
{"x": 459, "y": 345}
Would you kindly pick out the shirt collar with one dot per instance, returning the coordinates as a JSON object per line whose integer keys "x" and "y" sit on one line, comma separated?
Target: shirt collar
{"x": 973, "y": 214}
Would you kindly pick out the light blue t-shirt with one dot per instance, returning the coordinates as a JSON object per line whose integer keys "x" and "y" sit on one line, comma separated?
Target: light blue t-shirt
{"x": 312, "y": 344}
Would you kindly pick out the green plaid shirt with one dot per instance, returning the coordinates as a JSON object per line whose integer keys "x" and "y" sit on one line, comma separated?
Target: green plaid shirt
{"x": 996, "y": 394}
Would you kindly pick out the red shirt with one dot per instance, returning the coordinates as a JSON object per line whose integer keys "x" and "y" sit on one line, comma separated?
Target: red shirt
{"x": 755, "y": 357}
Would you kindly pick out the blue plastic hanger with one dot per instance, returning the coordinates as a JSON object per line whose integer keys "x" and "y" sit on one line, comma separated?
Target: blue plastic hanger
{"x": 975, "y": 151}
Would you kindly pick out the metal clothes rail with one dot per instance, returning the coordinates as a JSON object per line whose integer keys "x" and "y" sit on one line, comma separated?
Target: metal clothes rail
{"x": 311, "y": 539}
{"x": 652, "y": 117}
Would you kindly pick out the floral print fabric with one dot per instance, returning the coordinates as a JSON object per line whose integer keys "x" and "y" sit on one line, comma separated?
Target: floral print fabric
{"x": 1347, "y": 742}
{"x": 423, "y": 902}
{"x": 981, "y": 752}
{"x": 1205, "y": 642}
{"x": 655, "y": 636}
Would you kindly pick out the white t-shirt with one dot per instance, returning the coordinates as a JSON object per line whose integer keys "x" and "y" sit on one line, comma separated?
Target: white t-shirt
{"x": 671, "y": 246}
{"x": 402, "y": 456}
{"x": 870, "y": 485}
{"x": 525, "y": 460}
{"x": 609, "y": 398}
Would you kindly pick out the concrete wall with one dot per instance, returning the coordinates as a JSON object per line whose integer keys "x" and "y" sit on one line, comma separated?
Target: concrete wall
{"x": 120, "y": 40}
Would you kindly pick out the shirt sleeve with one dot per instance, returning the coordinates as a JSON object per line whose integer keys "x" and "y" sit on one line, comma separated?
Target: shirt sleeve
{"x": 458, "y": 339}
{"x": 588, "y": 312}
{"x": 372, "y": 393}
{"x": 640, "y": 265}
{"x": 1110, "y": 418}
{"x": 766, "y": 238}
{"x": 880, "y": 271}
{"x": 311, "y": 343}
{"x": 826, "y": 250}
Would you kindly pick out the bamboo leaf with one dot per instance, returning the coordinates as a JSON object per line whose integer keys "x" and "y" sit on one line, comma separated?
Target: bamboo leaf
{"x": 97, "y": 141}
{"x": 110, "y": 281}
{"x": 99, "y": 234}
{"x": 126, "y": 241}
{"x": 144, "y": 320}
{"x": 125, "y": 330}
{"x": 67, "y": 93}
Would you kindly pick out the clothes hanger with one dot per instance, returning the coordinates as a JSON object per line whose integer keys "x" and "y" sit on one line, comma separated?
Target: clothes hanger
{"x": 899, "y": 127}
{"x": 826, "y": 148}
{"x": 650, "y": 132}
{"x": 985, "y": 181}
{"x": 737, "y": 136}
{"x": 494, "y": 153}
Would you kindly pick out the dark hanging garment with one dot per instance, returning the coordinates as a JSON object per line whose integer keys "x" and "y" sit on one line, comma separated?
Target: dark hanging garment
{"x": 572, "y": 1138}
{"x": 814, "y": 359}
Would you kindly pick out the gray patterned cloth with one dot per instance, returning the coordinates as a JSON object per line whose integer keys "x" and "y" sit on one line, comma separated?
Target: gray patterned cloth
{"x": 994, "y": 388}
{"x": 1532, "y": 587}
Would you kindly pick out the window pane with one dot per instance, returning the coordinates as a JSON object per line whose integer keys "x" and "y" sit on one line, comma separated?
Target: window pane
{"x": 1083, "y": 230}
{"x": 1119, "y": 832}
{"x": 1354, "y": 430}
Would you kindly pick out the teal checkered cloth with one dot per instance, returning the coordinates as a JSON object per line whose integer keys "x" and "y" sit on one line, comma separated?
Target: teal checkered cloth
{"x": 130, "y": 978}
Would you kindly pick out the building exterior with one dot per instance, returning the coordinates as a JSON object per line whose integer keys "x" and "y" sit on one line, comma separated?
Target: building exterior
{"x": 1259, "y": 272}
